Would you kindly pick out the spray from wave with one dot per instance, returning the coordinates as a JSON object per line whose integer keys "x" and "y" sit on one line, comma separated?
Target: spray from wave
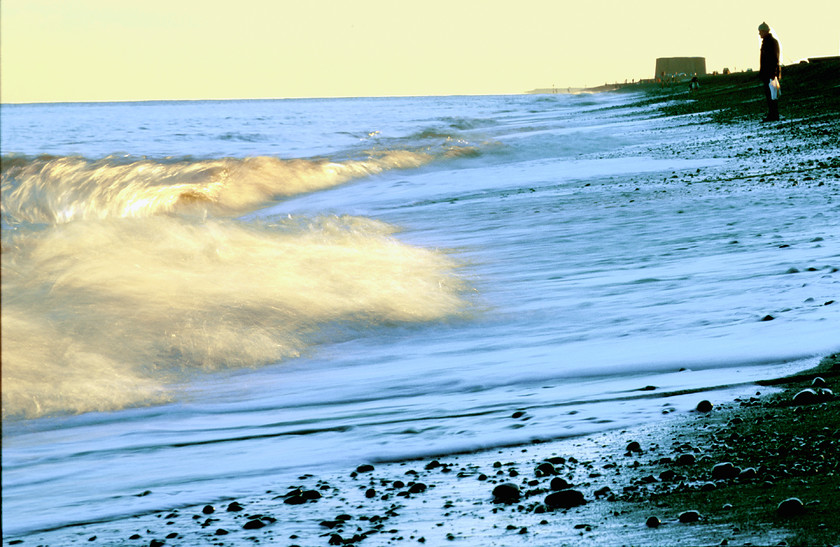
{"x": 122, "y": 279}
{"x": 104, "y": 314}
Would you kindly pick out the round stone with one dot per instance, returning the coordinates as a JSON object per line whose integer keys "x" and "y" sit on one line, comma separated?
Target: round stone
{"x": 689, "y": 516}
{"x": 668, "y": 475}
{"x": 653, "y": 522}
{"x": 790, "y": 508}
{"x": 565, "y": 499}
{"x": 725, "y": 470}
{"x": 806, "y": 397}
{"x": 686, "y": 459}
{"x": 296, "y": 499}
{"x": 506, "y": 493}
{"x": 708, "y": 487}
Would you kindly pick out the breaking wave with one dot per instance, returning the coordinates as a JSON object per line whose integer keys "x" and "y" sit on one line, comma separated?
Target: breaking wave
{"x": 62, "y": 189}
{"x": 104, "y": 314}
{"x": 124, "y": 277}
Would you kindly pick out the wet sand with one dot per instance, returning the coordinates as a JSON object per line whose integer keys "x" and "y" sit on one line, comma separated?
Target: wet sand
{"x": 660, "y": 484}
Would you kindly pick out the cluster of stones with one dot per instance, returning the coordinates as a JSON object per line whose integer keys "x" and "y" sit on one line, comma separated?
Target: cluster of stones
{"x": 345, "y": 524}
{"x": 817, "y": 393}
{"x": 723, "y": 473}
{"x": 554, "y": 484}
{"x": 560, "y": 496}
{"x": 206, "y": 519}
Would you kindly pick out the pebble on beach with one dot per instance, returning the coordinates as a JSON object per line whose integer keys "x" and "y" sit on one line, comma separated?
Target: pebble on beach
{"x": 725, "y": 470}
{"x": 704, "y": 406}
{"x": 807, "y": 396}
{"x": 689, "y": 516}
{"x": 686, "y": 459}
{"x": 506, "y": 493}
{"x": 565, "y": 499}
{"x": 791, "y": 507}
{"x": 253, "y": 524}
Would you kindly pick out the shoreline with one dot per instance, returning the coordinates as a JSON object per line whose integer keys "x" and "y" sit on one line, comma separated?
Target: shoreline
{"x": 718, "y": 475}
{"x": 450, "y": 499}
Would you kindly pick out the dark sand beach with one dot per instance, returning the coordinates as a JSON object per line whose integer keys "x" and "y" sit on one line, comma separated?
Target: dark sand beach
{"x": 759, "y": 469}
{"x": 809, "y": 95}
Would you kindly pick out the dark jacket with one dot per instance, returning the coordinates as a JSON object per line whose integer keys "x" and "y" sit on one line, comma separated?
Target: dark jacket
{"x": 769, "y": 67}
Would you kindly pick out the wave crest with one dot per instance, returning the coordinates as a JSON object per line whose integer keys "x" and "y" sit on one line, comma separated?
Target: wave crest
{"x": 55, "y": 190}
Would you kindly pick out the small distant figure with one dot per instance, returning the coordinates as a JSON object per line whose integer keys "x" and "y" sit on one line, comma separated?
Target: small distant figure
{"x": 769, "y": 71}
{"x": 694, "y": 85}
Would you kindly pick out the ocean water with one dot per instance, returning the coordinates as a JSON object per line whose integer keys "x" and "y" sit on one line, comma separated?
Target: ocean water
{"x": 203, "y": 299}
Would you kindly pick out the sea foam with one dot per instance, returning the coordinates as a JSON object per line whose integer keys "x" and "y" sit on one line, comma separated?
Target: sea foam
{"x": 102, "y": 314}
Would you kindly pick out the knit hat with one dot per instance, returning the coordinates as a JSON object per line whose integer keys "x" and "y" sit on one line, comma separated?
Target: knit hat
{"x": 764, "y": 26}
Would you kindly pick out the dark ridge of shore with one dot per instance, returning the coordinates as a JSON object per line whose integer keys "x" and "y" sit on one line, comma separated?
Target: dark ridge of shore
{"x": 769, "y": 462}
{"x": 809, "y": 90}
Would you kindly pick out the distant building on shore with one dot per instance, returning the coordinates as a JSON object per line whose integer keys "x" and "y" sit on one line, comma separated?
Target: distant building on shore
{"x": 668, "y": 68}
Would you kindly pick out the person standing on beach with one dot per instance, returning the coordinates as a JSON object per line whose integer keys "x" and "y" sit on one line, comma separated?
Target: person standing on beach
{"x": 769, "y": 70}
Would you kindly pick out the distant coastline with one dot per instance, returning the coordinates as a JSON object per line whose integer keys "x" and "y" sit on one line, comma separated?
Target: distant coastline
{"x": 715, "y": 77}
{"x": 574, "y": 90}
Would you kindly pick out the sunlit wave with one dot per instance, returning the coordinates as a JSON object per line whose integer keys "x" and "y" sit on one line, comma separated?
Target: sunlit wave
{"x": 103, "y": 314}
{"x": 62, "y": 189}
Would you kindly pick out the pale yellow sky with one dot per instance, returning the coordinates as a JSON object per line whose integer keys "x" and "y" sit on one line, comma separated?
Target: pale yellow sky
{"x": 115, "y": 50}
